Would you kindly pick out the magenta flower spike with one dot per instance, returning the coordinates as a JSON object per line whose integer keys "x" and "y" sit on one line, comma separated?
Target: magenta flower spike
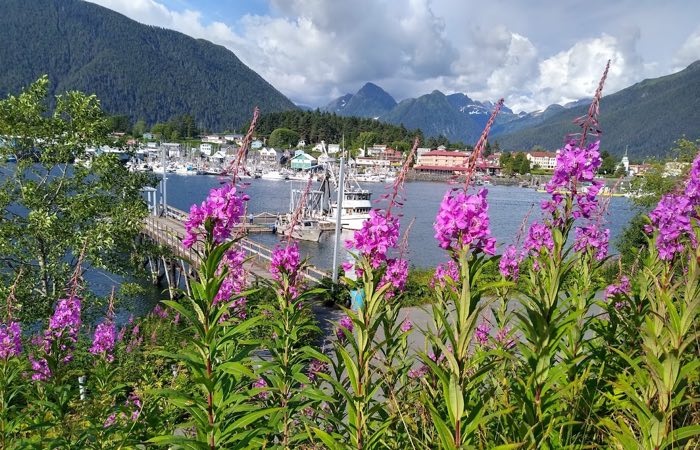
{"x": 463, "y": 221}
{"x": 509, "y": 264}
{"x": 219, "y": 212}
{"x": 10, "y": 340}
{"x": 378, "y": 234}
{"x": 104, "y": 339}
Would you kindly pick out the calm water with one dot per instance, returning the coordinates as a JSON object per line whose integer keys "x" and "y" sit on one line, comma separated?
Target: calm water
{"x": 508, "y": 206}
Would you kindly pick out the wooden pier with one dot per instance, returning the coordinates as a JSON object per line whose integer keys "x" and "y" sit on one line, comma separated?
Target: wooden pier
{"x": 168, "y": 230}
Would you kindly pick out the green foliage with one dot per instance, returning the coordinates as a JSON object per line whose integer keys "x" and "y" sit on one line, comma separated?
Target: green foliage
{"x": 514, "y": 163}
{"x": 283, "y": 138}
{"x": 315, "y": 126}
{"x": 53, "y": 210}
{"x": 137, "y": 70}
{"x": 608, "y": 164}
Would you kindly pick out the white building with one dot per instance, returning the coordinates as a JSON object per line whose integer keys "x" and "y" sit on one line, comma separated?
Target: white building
{"x": 206, "y": 149}
{"x": 545, "y": 160}
{"x": 268, "y": 155}
{"x": 172, "y": 149}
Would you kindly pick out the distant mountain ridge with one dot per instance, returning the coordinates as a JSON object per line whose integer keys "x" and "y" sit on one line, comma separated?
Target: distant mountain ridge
{"x": 646, "y": 118}
{"x": 136, "y": 70}
{"x": 455, "y": 116}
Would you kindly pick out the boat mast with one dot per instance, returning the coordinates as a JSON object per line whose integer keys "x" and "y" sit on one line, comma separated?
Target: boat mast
{"x": 338, "y": 216}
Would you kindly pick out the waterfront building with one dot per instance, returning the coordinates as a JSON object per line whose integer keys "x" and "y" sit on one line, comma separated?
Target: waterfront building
{"x": 545, "y": 160}
{"x": 302, "y": 160}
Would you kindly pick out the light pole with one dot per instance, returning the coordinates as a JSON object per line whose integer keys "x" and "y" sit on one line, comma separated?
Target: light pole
{"x": 165, "y": 185}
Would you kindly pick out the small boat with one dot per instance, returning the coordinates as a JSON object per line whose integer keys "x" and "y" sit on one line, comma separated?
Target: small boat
{"x": 273, "y": 175}
{"x": 306, "y": 229}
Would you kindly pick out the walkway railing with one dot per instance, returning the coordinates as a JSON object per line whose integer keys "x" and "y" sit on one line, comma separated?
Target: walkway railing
{"x": 169, "y": 230}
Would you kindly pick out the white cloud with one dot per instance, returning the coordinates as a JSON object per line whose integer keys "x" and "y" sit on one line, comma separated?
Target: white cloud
{"x": 689, "y": 51}
{"x": 315, "y": 50}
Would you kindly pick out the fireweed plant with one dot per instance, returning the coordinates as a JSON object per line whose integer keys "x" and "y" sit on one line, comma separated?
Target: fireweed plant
{"x": 287, "y": 378}
{"x": 370, "y": 336}
{"x": 69, "y": 385}
{"x": 563, "y": 360}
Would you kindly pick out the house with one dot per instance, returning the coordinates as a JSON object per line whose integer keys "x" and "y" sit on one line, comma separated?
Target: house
{"x": 268, "y": 155}
{"x": 256, "y": 144}
{"x": 382, "y": 157}
{"x": 172, "y": 149}
{"x": 148, "y": 136}
{"x": 206, "y": 149}
{"x": 545, "y": 160}
{"x": 638, "y": 170}
{"x": 301, "y": 143}
{"x": 302, "y": 160}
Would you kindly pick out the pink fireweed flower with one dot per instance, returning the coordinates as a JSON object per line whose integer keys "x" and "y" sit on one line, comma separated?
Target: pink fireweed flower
{"x": 591, "y": 237}
{"x": 219, "y": 212}
{"x": 378, "y": 234}
{"x": 316, "y": 367}
{"x": 692, "y": 187}
{"x": 40, "y": 369}
{"x": 109, "y": 421}
{"x": 481, "y": 334}
{"x": 10, "y": 340}
{"x": 619, "y": 291}
{"x": 396, "y": 274}
{"x": 463, "y": 221}
{"x": 444, "y": 274}
{"x": 574, "y": 165}
{"x": 134, "y": 401}
{"x": 235, "y": 280}
{"x": 587, "y": 202}
{"x": 539, "y": 237}
{"x": 103, "y": 342}
{"x": 344, "y": 325}
{"x": 406, "y": 325}
{"x": 260, "y": 383}
{"x": 286, "y": 261}
{"x": 65, "y": 322}
{"x": 419, "y": 372}
{"x": 671, "y": 218}
{"x": 509, "y": 264}
{"x": 161, "y": 312}
{"x": 620, "y": 288}
{"x": 503, "y": 338}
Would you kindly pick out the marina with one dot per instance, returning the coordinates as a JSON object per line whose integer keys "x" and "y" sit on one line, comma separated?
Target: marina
{"x": 508, "y": 205}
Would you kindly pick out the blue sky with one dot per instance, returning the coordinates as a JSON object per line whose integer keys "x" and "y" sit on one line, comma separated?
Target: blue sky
{"x": 533, "y": 53}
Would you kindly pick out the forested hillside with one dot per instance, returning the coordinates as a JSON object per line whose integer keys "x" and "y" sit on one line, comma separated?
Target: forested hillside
{"x": 314, "y": 126}
{"x": 137, "y": 70}
{"x": 646, "y": 117}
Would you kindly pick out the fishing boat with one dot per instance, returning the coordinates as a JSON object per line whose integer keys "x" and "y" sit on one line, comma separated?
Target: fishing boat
{"x": 354, "y": 209}
{"x": 308, "y": 225}
{"x": 306, "y": 229}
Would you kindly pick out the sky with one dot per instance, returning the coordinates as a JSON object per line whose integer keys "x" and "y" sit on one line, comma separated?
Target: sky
{"x": 531, "y": 52}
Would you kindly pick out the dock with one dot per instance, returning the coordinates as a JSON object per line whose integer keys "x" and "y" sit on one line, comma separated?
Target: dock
{"x": 168, "y": 229}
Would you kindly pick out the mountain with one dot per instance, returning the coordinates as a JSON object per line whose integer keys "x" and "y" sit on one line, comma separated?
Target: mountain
{"x": 337, "y": 105}
{"x": 646, "y": 117}
{"x": 136, "y": 70}
{"x": 370, "y": 101}
{"x": 455, "y": 116}
{"x": 435, "y": 115}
